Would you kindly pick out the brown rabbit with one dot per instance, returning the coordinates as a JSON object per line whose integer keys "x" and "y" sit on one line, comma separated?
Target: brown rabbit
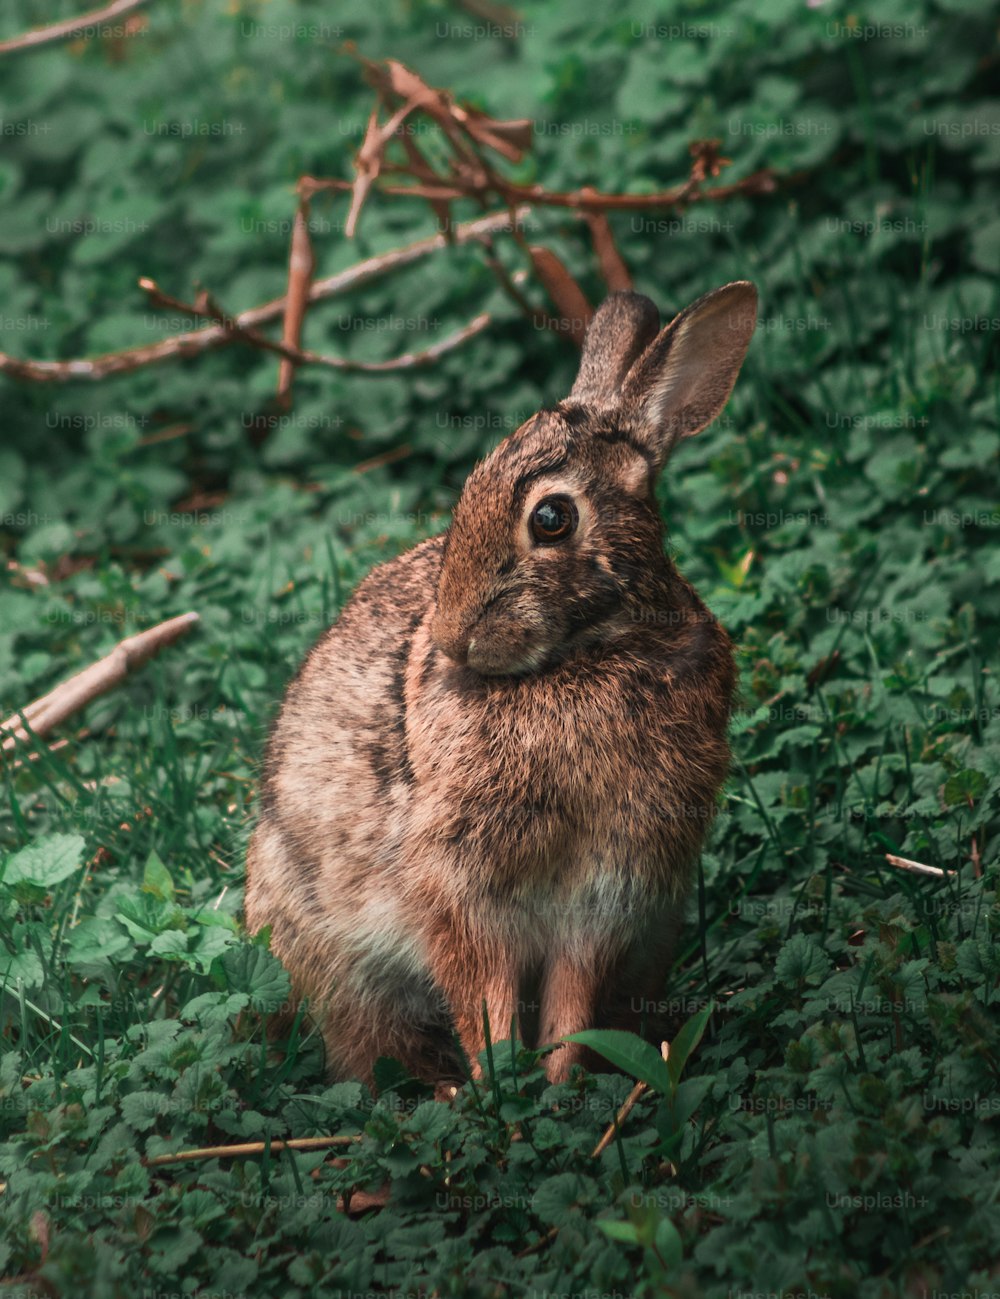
{"x": 499, "y": 765}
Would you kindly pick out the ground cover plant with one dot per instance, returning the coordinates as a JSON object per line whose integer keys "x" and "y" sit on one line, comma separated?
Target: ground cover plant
{"x": 825, "y": 1123}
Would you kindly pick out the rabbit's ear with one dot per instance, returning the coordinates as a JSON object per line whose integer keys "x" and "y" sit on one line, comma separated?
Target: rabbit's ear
{"x": 621, "y": 327}
{"x": 683, "y": 379}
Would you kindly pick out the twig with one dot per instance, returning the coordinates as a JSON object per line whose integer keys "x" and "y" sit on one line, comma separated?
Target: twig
{"x": 166, "y": 434}
{"x": 368, "y": 160}
{"x": 626, "y": 1109}
{"x": 385, "y": 458}
{"x": 217, "y": 335}
{"x": 301, "y": 264}
{"x": 613, "y": 269}
{"x": 574, "y": 310}
{"x": 206, "y": 307}
{"x": 917, "y": 867}
{"x": 472, "y": 137}
{"x": 44, "y": 714}
{"x": 511, "y": 285}
{"x": 53, "y": 748}
{"x": 502, "y": 17}
{"x": 247, "y": 1148}
{"x": 69, "y": 27}
{"x": 763, "y": 181}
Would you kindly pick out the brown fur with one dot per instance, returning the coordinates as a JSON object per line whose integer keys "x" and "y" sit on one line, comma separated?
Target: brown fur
{"x": 503, "y": 758}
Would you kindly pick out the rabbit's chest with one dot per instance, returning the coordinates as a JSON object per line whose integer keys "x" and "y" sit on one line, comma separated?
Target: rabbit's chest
{"x": 564, "y": 792}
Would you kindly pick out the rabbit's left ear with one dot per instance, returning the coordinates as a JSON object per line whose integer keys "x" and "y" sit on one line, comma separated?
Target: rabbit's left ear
{"x": 619, "y": 330}
{"x": 684, "y": 377}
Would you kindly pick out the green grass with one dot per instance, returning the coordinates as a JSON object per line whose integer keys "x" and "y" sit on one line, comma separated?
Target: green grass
{"x": 833, "y": 1130}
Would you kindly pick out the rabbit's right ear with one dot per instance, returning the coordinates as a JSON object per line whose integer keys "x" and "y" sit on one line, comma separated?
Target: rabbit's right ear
{"x": 684, "y": 377}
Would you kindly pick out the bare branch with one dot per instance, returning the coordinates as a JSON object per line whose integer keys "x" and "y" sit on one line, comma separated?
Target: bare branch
{"x": 219, "y": 334}
{"x": 916, "y": 867}
{"x": 586, "y": 199}
{"x": 511, "y": 285}
{"x": 244, "y": 1148}
{"x": 575, "y": 311}
{"x": 70, "y": 696}
{"x": 301, "y": 264}
{"x": 206, "y": 306}
{"x": 409, "y": 360}
{"x": 613, "y": 269}
{"x": 68, "y": 28}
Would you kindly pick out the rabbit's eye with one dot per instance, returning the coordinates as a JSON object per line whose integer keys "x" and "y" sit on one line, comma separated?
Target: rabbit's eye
{"x": 553, "y": 519}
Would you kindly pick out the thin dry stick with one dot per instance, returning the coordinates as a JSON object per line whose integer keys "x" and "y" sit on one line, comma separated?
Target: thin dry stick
{"x": 620, "y": 1117}
{"x": 613, "y": 269}
{"x": 376, "y": 462}
{"x": 626, "y": 1108}
{"x": 205, "y": 306}
{"x": 44, "y": 714}
{"x": 582, "y": 200}
{"x": 917, "y": 867}
{"x": 511, "y": 285}
{"x": 247, "y": 1148}
{"x": 219, "y": 335}
{"x": 301, "y": 264}
{"x": 34, "y": 756}
{"x": 70, "y": 27}
{"x": 368, "y": 160}
{"x": 574, "y": 310}
{"x": 167, "y": 434}
{"x": 471, "y": 137}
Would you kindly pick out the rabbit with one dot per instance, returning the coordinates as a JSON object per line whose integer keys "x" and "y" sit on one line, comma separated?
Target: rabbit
{"x": 496, "y": 769}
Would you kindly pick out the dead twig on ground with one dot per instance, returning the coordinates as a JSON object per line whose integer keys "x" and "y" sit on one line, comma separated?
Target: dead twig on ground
{"x": 242, "y": 1149}
{"x": 46, "y": 713}
{"x": 916, "y": 867}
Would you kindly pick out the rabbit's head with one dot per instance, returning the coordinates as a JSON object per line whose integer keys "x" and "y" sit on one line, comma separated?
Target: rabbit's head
{"x": 557, "y": 535}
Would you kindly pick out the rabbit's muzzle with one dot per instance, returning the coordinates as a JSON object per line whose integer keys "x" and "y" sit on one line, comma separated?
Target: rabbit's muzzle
{"x": 508, "y": 637}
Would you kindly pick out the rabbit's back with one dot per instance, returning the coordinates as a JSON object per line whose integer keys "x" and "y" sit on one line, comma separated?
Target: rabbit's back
{"x": 337, "y": 786}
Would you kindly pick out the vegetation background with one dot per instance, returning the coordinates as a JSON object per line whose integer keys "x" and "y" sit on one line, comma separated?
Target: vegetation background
{"x": 835, "y": 1131}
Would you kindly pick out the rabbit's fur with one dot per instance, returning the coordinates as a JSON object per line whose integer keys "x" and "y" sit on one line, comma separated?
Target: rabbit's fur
{"x": 496, "y": 770}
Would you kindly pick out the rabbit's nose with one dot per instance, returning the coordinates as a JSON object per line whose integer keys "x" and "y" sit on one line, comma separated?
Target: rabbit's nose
{"x": 451, "y": 638}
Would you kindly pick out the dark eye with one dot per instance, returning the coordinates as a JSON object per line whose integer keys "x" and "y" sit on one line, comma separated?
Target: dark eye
{"x": 553, "y": 519}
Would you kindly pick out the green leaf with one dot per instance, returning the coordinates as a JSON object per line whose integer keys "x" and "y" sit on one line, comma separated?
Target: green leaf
{"x": 21, "y": 970}
{"x": 259, "y": 974}
{"x": 156, "y": 878}
{"x": 144, "y": 916}
{"x": 94, "y": 941}
{"x": 172, "y": 945}
{"x": 668, "y": 1244}
{"x": 629, "y": 1052}
{"x": 685, "y": 1042}
{"x": 558, "y": 1199}
{"x": 626, "y": 1232}
{"x": 801, "y": 960}
{"x": 46, "y": 862}
{"x": 141, "y": 1109}
{"x": 963, "y": 788}
{"x": 678, "y": 1108}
